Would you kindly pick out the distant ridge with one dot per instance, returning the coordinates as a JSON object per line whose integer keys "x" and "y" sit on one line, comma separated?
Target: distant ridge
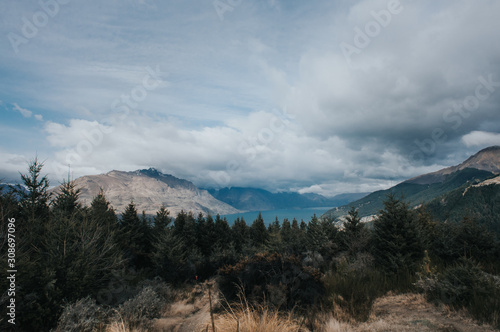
{"x": 150, "y": 189}
{"x": 255, "y": 199}
{"x": 422, "y": 189}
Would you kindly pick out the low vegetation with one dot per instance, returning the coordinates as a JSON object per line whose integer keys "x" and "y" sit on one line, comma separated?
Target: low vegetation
{"x": 86, "y": 269}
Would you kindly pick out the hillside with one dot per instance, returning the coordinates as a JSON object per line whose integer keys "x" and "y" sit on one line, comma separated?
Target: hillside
{"x": 424, "y": 188}
{"x": 149, "y": 190}
{"x": 253, "y": 199}
{"x": 478, "y": 201}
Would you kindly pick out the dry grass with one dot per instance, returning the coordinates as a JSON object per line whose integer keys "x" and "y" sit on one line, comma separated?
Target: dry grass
{"x": 260, "y": 319}
{"x": 392, "y": 312}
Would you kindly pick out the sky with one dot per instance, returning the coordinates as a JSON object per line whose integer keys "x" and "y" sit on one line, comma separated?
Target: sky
{"x": 311, "y": 96}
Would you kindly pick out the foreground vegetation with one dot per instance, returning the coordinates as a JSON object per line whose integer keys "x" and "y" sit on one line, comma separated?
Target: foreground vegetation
{"x": 85, "y": 268}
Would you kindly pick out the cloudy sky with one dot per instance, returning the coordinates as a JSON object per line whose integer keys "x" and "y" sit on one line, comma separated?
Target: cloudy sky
{"x": 311, "y": 96}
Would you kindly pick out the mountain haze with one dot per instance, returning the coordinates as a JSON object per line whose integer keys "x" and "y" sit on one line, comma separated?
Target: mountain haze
{"x": 150, "y": 189}
{"x": 424, "y": 188}
{"x": 254, "y": 199}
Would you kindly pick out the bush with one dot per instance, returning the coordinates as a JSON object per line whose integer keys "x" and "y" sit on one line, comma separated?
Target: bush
{"x": 354, "y": 292}
{"x": 82, "y": 316}
{"x": 465, "y": 285}
{"x": 280, "y": 281}
{"x": 139, "y": 311}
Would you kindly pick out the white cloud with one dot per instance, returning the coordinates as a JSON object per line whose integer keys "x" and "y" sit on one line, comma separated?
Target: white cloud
{"x": 24, "y": 112}
{"x": 351, "y": 127}
{"x": 481, "y": 139}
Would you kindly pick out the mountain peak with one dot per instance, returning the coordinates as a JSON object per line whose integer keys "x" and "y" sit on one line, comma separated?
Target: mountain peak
{"x": 487, "y": 159}
{"x": 151, "y": 172}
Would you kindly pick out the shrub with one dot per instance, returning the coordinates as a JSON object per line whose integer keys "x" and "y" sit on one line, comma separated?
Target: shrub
{"x": 82, "y": 316}
{"x": 354, "y": 292}
{"x": 465, "y": 285}
{"x": 279, "y": 280}
{"x": 139, "y": 311}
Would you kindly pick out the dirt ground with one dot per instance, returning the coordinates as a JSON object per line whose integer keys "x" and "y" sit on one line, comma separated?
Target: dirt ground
{"x": 411, "y": 312}
{"x": 407, "y": 312}
{"x": 188, "y": 314}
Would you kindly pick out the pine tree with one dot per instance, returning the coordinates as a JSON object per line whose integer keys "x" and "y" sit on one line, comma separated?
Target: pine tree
{"x": 101, "y": 209}
{"x": 34, "y": 200}
{"x": 66, "y": 202}
{"x": 352, "y": 239}
{"x": 179, "y": 224}
{"x": 316, "y": 237}
{"x": 258, "y": 232}
{"x": 162, "y": 220}
{"x": 274, "y": 227}
{"x": 129, "y": 236}
{"x": 397, "y": 245}
{"x": 240, "y": 233}
{"x": 286, "y": 230}
{"x": 223, "y": 233}
{"x": 203, "y": 241}
{"x": 353, "y": 225}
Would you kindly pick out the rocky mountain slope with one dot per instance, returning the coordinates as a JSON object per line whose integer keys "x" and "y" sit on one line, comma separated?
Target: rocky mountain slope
{"x": 424, "y": 188}
{"x": 149, "y": 190}
{"x": 486, "y": 160}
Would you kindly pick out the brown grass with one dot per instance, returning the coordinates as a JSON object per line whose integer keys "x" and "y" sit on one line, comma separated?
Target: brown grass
{"x": 256, "y": 319}
{"x": 392, "y": 312}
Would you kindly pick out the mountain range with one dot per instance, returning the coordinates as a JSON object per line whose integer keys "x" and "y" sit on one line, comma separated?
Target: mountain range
{"x": 150, "y": 189}
{"x": 474, "y": 174}
{"x": 448, "y": 193}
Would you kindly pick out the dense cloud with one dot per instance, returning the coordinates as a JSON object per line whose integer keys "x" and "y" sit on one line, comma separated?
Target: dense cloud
{"x": 323, "y": 97}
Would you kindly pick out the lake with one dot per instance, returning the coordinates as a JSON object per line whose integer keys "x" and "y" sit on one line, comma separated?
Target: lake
{"x": 269, "y": 216}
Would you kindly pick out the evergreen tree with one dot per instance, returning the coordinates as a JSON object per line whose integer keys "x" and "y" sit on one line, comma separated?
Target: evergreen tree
{"x": 101, "y": 210}
{"x": 201, "y": 240}
{"x": 179, "y": 224}
{"x": 66, "y": 202}
{"x": 189, "y": 233}
{"x": 397, "y": 245}
{"x": 133, "y": 237}
{"x": 286, "y": 230}
{"x": 274, "y": 227}
{"x": 223, "y": 233}
{"x": 34, "y": 199}
{"x": 316, "y": 237}
{"x": 353, "y": 225}
{"x": 258, "y": 232}
{"x": 352, "y": 237}
{"x": 162, "y": 220}
{"x": 240, "y": 233}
